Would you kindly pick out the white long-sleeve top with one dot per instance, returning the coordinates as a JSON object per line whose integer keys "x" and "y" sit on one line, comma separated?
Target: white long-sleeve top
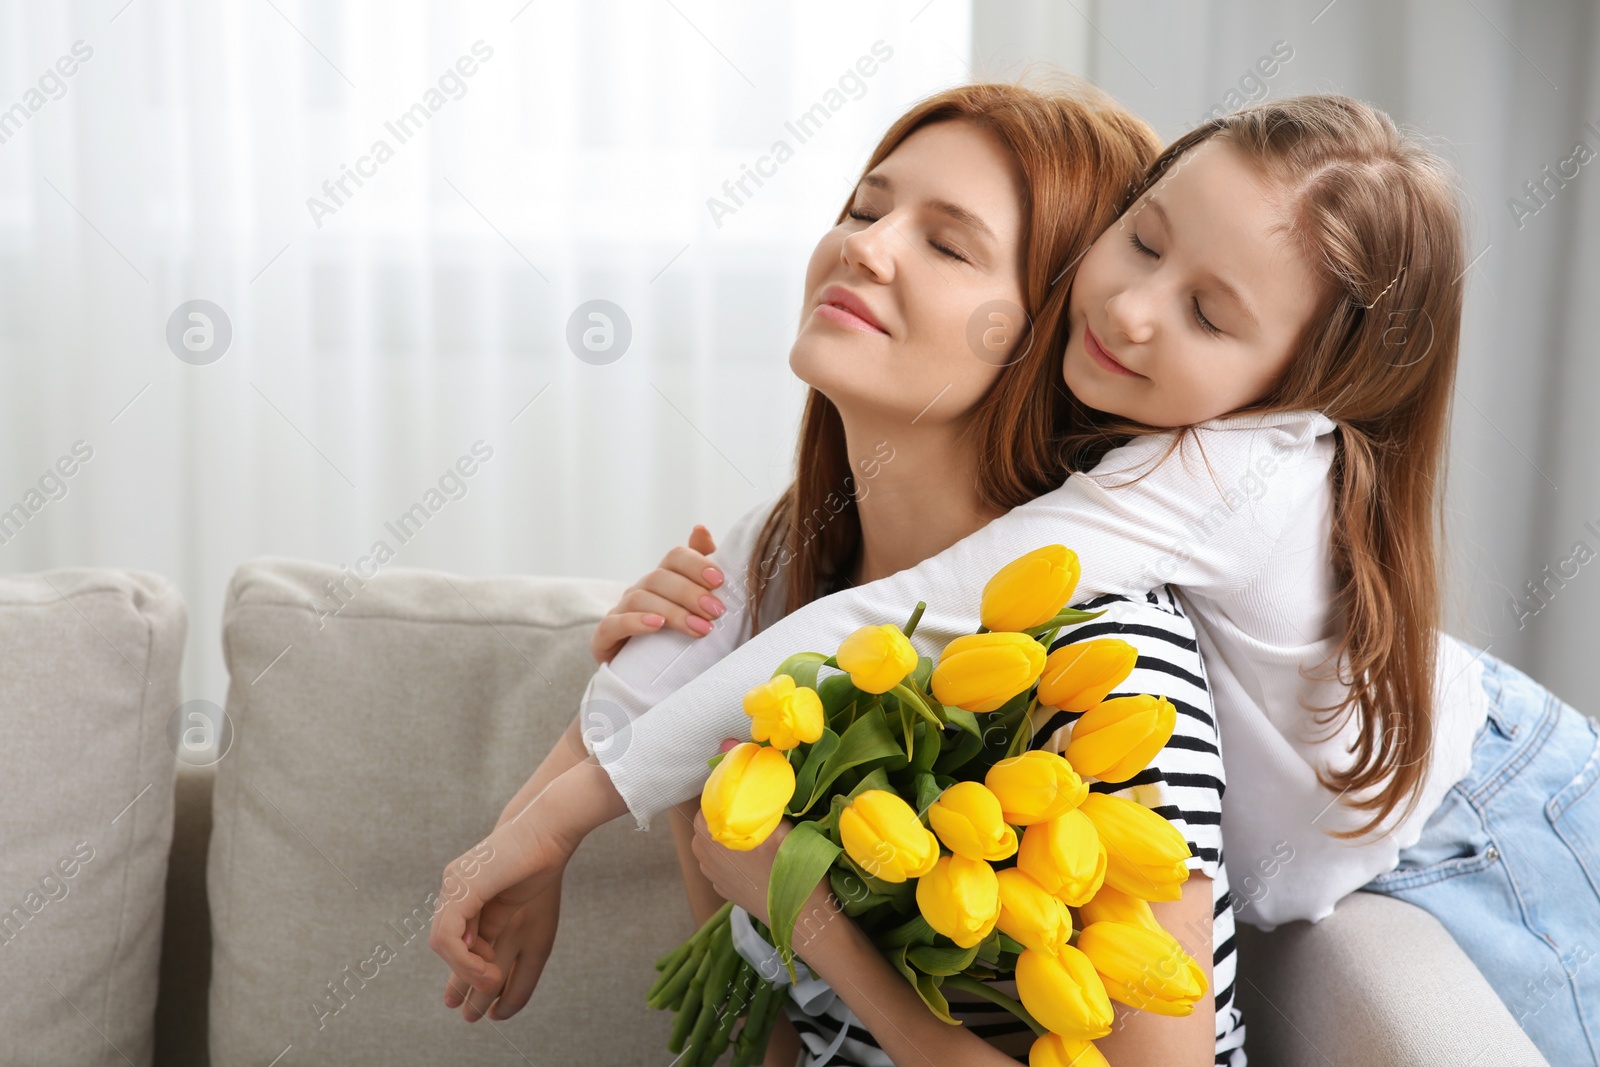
{"x": 1238, "y": 520}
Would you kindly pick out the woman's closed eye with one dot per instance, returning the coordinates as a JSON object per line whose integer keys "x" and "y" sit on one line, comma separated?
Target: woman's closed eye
{"x": 1199, "y": 316}
{"x": 952, "y": 253}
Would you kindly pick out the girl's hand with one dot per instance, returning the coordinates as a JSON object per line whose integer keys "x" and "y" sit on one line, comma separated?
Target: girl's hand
{"x": 677, "y": 593}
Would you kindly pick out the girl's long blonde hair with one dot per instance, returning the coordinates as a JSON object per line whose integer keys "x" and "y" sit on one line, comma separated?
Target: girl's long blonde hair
{"x": 1377, "y": 216}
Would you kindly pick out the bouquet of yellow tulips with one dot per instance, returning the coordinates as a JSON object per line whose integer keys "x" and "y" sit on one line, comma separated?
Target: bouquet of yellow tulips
{"x": 965, "y": 856}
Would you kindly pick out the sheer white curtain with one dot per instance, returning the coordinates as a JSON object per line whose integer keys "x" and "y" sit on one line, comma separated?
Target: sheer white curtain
{"x": 1510, "y": 93}
{"x": 399, "y": 312}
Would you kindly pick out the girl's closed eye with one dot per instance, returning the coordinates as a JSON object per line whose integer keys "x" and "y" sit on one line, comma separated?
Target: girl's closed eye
{"x": 1199, "y": 316}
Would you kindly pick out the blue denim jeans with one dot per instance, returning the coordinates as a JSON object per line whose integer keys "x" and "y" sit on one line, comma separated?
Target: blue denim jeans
{"x": 1510, "y": 863}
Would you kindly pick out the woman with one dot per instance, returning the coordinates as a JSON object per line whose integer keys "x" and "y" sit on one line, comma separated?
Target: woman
{"x": 1006, "y": 187}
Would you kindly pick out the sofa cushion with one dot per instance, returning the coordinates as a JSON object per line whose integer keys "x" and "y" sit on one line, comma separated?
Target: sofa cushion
{"x": 380, "y": 729}
{"x": 89, "y": 681}
{"x": 1379, "y": 983}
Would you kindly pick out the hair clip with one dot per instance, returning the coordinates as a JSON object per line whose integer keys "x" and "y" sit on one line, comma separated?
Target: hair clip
{"x": 1386, "y": 288}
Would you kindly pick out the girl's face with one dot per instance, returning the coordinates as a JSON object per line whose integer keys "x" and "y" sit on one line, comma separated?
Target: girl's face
{"x": 1188, "y": 307}
{"x": 933, "y": 234}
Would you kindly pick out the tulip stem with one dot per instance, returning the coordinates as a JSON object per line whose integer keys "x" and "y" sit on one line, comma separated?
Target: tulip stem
{"x": 1065, "y": 617}
{"x": 974, "y": 986}
{"x": 916, "y": 616}
{"x": 717, "y": 918}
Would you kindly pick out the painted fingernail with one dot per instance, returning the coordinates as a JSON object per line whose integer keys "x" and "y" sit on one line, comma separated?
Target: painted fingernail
{"x": 712, "y": 576}
{"x": 699, "y": 625}
{"x": 712, "y": 605}
{"x": 653, "y": 620}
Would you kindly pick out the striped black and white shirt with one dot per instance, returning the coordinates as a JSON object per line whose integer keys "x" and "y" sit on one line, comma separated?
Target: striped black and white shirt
{"x": 1184, "y": 783}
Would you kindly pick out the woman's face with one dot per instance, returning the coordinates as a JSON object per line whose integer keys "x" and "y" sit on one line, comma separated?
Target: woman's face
{"x": 1189, "y": 306}
{"x": 933, "y": 235}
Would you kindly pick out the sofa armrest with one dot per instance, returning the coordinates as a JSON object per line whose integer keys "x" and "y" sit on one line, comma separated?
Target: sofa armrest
{"x": 1378, "y": 982}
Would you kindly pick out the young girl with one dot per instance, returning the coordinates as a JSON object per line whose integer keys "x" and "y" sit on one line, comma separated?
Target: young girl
{"x": 1286, "y": 289}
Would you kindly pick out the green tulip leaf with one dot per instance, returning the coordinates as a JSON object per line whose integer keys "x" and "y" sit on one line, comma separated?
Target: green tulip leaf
{"x": 914, "y": 931}
{"x": 854, "y": 894}
{"x": 877, "y": 778}
{"x": 1007, "y": 944}
{"x": 836, "y": 691}
{"x": 867, "y": 739}
{"x": 928, "y": 987}
{"x": 802, "y": 667}
{"x": 959, "y": 756}
{"x": 887, "y": 890}
{"x": 989, "y": 948}
{"x": 802, "y": 860}
{"x": 963, "y": 718}
{"x": 940, "y": 959}
{"x": 897, "y": 956}
{"x": 923, "y": 674}
{"x": 930, "y": 743}
{"x": 928, "y": 791}
{"x": 805, "y": 778}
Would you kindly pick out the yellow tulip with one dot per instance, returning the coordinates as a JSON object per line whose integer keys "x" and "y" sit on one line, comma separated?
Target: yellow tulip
{"x": 1035, "y": 786}
{"x": 1064, "y": 993}
{"x": 1066, "y": 856}
{"x": 1077, "y": 677}
{"x": 1029, "y": 914}
{"x": 1030, "y": 590}
{"x": 784, "y": 713}
{"x": 1143, "y": 968}
{"x": 1053, "y": 1050}
{"x": 1145, "y": 853}
{"x": 744, "y": 798}
{"x": 877, "y": 658}
{"x": 968, "y": 819}
{"x": 960, "y": 898}
{"x": 884, "y": 836}
{"x": 980, "y": 672}
{"x": 1116, "y": 739}
{"x": 1111, "y": 904}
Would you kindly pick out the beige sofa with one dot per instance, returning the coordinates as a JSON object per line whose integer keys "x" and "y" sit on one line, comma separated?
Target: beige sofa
{"x": 271, "y": 909}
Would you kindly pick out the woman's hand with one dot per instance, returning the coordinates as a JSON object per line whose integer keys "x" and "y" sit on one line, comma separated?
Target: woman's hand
{"x": 519, "y": 864}
{"x": 742, "y": 877}
{"x": 517, "y": 867}
{"x": 738, "y": 876}
{"x": 677, "y": 593}
{"x": 519, "y": 943}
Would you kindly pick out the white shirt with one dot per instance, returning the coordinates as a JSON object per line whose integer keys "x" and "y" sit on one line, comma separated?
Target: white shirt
{"x": 1240, "y": 525}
